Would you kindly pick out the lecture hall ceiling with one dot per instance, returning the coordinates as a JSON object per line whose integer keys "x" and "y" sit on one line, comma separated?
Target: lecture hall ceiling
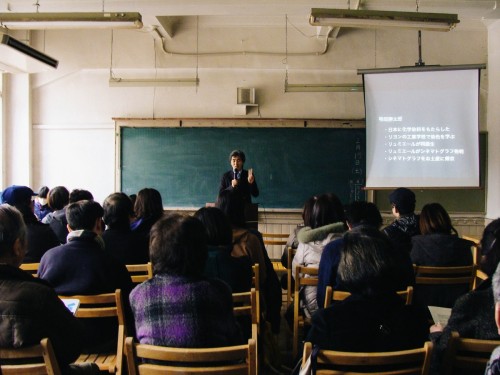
{"x": 256, "y": 13}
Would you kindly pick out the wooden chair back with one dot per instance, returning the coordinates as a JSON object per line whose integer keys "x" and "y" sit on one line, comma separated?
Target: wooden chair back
{"x": 31, "y": 360}
{"x": 275, "y": 238}
{"x": 480, "y": 277}
{"x": 104, "y": 306}
{"x": 140, "y": 272}
{"x": 428, "y": 275}
{"x": 304, "y": 276}
{"x": 339, "y": 295}
{"x": 289, "y": 271}
{"x": 413, "y": 361}
{"x": 467, "y": 356}
{"x": 31, "y": 268}
{"x": 153, "y": 360}
{"x": 256, "y": 286}
{"x": 245, "y": 303}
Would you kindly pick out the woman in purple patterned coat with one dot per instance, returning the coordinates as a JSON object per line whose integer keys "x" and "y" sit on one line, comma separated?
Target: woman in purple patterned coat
{"x": 178, "y": 307}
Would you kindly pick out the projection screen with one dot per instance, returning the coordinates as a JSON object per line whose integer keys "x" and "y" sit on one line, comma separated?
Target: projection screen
{"x": 422, "y": 128}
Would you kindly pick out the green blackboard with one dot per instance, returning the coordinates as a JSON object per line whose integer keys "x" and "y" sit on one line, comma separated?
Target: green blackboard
{"x": 290, "y": 164}
{"x": 453, "y": 200}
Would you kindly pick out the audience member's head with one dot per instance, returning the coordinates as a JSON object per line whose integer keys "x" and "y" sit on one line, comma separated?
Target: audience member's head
{"x": 58, "y": 198}
{"x": 118, "y": 210}
{"x": 12, "y": 236}
{"x": 307, "y": 210}
{"x": 148, "y": 203}
{"x": 231, "y": 204}
{"x": 217, "y": 226}
{"x": 19, "y": 197}
{"x": 490, "y": 247}
{"x": 368, "y": 262}
{"x": 496, "y": 295}
{"x": 80, "y": 195}
{"x": 178, "y": 246}
{"x": 43, "y": 192}
{"x": 363, "y": 213}
{"x": 403, "y": 200}
{"x": 85, "y": 215}
{"x": 435, "y": 219}
{"x": 327, "y": 209}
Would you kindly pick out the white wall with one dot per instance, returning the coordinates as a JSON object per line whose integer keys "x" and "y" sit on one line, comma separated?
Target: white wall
{"x": 73, "y": 107}
{"x": 493, "y": 176}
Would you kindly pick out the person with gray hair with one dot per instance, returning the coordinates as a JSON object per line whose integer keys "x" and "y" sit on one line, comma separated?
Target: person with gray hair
{"x": 29, "y": 308}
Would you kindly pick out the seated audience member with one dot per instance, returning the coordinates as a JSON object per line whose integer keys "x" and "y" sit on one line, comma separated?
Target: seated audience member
{"x": 178, "y": 307}
{"x": 29, "y": 309}
{"x": 357, "y": 213}
{"x": 373, "y": 318}
{"x": 148, "y": 209}
{"x": 292, "y": 240}
{"x": 120, "y": 241}
{"x": 42, "y": 208}
{"x": 40, "y": 237}
{"x": 493, "y": 367}
{"x": 439, "y": 245}
{"x": 405, "y": 225}
{"x": 57, "y": 199}
{"x": 236, "y": 272}
{"x": 473, "y": 314}
{"x": 81, "y": 266}
{"x": 248, "y": 242}
{"x": 327, "y": 223}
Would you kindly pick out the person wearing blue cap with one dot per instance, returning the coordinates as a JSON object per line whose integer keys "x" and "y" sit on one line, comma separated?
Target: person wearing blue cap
{"x": 405, "y": 225}
{"x": 40, "y": 236}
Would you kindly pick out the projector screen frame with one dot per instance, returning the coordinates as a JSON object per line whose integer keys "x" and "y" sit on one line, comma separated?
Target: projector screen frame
{"x": 424, "y": 68}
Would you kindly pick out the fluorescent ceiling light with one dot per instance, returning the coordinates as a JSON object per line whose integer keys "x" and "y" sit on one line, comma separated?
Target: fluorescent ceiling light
{"x": 139, "y": 82}
{"x": 17, "y": 57}
{"x": 380, "y": 18}
{"x": 42, "y": 21}
{"x": 339, "y": 87}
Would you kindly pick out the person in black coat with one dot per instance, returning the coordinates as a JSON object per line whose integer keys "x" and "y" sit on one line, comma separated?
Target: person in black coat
{"x": 40, "y": 236}
{"x": 373, "y": 318}
{"x": 473, "y": 314}
{"x": 239, "y": 179}
{"x": 125, "y": 245}
{"x": 439, "y": 246}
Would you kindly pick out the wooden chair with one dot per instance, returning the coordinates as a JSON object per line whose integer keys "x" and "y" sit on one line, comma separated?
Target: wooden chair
{"x": 31, "y": 268}
{"x": 104, "y": 306}
{"x": 140, "y": 272}
{"x": 304, "y": 276}
{"x": 289, "y": 277}
{"x": 32, "y": 360}
{"x": 445, "y": 275}
{"x": 480, "y": 277}
{"x": 245, "y": 304}
{"x": 339, "y": 295}
{"x": 413, "y": 361}
{"x": 275, "y": 238}
{"x": 256, "y": 286}
{"x": 467, "y": 356}
{"x": 145, "y": 359}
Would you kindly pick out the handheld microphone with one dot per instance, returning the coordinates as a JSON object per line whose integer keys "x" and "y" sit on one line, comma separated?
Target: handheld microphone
{"x": 235, "y": 171}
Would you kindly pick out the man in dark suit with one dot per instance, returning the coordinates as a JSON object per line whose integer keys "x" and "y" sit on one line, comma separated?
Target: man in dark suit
{"x": 239, "y": 179}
